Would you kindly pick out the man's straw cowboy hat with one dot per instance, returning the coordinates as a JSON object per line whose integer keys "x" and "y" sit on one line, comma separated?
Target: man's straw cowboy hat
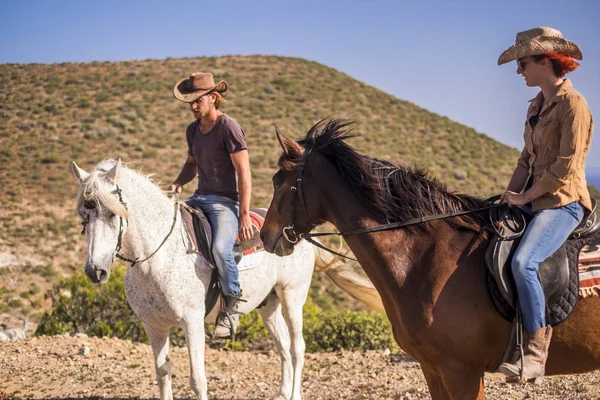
{"x": 197, "y": 85}
{"x": 538, "y": 41}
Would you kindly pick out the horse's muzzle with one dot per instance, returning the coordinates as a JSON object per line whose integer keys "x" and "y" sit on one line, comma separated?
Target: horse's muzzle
{"x": 96, "y": 274}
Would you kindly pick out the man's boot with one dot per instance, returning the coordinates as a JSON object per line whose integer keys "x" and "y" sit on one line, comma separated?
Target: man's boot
{"x": 228, "y": 320}
{"x": 534, "y": 361}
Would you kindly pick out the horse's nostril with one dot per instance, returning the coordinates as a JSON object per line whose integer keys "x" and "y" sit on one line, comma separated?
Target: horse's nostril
{"x": 101, "y": 275}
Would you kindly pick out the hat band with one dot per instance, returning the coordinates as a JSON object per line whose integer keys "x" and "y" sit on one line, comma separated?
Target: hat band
{"x": 199, "y": 89}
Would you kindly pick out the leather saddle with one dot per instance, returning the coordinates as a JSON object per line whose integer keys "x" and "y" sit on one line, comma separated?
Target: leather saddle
{"x": 199, "y": 234}
{"x": 558, "y": 273}
{"x": 200, "y": 231}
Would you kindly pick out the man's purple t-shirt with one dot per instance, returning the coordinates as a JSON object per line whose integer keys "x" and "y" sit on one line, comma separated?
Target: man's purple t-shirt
{"x": 211, "y": 151}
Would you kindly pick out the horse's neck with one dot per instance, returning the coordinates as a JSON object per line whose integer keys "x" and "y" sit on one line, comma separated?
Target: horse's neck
{"x": 150, "y": 219}
{"x": 384, "y": 256}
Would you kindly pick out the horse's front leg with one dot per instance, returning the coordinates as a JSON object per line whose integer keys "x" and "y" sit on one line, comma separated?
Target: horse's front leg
{"x": 193, "y": 327}
{"x": 292, "y": 301}
{"x": 437, "y": 390}
{"x": 463, "y": 382}
{"x": 275, "y": 324}
{"x": 159, "y": 340}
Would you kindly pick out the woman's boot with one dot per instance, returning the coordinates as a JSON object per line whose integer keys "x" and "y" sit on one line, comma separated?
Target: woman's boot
{"x": 534, "y": 361}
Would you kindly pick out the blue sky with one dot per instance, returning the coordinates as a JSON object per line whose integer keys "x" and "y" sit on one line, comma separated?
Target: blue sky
{"x": 440, "y": 55}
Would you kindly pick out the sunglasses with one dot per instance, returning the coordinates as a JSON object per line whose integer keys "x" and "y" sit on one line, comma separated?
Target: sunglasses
{"x": 198, "y": 100}
{"x": 521, "y": 64}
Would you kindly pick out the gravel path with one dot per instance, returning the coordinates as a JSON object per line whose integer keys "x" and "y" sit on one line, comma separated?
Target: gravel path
{"x": 67, "y": 367}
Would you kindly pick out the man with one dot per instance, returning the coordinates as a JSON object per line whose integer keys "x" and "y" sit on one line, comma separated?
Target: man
{"x": 218, "y": 155}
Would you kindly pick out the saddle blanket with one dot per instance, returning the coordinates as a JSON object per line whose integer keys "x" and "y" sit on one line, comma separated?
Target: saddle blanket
{"x": 251, "y": 260}
{"x": 248, "y": 262}
{"x": 589, "y": 272}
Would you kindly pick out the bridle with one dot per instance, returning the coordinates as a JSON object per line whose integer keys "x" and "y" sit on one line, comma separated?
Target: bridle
{"x": 296, "y": 190}
{"x": 90, "y": 206}
{"x": 288, "y": 232}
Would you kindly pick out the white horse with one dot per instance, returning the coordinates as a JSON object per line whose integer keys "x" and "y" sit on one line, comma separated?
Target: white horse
{"x": 125, "y": 213}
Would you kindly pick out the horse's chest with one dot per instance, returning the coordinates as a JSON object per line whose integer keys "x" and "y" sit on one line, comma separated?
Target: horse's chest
{"x": 152, "y": 300}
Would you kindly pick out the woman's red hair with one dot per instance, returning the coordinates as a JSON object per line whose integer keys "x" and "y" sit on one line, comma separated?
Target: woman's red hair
{"x": 562, "y": 64}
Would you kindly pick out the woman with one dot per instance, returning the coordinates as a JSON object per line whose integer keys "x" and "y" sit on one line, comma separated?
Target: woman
{"x": 550, "y": 175}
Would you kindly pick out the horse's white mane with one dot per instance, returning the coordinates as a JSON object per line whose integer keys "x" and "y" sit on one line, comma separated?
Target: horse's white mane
{"x": 96, "y": 188}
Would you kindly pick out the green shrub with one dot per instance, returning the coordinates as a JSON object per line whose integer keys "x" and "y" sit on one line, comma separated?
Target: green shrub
{"x": 45, "y": 270}
{"x": 327, "y": 331}
{"x": 80, "y": 306}
{"x": 350, "y": 330}
{"x": 15, "y": 303}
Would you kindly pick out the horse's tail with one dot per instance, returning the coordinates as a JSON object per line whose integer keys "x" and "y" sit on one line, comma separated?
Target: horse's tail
{"x": 347, "y": 279}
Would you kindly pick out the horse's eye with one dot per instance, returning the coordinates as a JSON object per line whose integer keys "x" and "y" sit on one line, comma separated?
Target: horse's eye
{"x": 90, "y": 205}
{"x": 277, "y": 180}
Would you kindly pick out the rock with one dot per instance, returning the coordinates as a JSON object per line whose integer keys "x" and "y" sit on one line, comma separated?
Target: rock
{"x": 461, "y": 175}
{"x": 84, "y": 351}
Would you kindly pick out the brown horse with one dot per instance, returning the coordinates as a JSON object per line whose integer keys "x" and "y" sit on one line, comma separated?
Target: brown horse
{"x": 431, "y": 277}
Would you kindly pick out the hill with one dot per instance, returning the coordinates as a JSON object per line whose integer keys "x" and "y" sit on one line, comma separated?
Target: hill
{"x": 52, "y": 114}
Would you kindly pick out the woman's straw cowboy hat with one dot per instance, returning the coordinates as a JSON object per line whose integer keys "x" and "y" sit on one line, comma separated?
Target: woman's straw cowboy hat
{"x": 538, "y": 41}
{"x": 197, "y": 85}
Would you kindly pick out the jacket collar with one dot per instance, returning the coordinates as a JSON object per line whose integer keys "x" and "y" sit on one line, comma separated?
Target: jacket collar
{"x": 565, "y": 87}
{"x": 537, "y": 101}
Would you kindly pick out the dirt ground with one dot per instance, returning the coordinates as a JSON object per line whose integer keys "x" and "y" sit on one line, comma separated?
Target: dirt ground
{"x": 69, "y": 367}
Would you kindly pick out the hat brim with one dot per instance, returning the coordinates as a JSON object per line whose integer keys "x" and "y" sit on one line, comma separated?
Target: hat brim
{"x": 182, "y": 93}
{"x": 540, "y": 45}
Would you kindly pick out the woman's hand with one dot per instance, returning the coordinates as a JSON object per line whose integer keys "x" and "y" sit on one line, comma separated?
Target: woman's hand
{"x": 513, "y": 199}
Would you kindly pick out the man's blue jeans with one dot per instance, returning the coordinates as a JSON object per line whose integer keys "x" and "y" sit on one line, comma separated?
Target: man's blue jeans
{"x": 546, "y": 232}
{"x": 223, "y": 216}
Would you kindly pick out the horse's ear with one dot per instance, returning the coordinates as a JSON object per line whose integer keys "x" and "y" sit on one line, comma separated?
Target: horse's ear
{"x": 290, "y": 148}
{"x": 78, "y": 173}
{"x": 113, "y": 174}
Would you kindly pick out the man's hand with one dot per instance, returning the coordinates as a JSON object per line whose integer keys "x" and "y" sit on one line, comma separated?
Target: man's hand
{"x": 245, "y": 227}
{"x": 175, "y": 188}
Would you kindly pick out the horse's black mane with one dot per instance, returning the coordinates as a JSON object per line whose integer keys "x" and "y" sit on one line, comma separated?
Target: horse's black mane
{"x": 392, "y": 192}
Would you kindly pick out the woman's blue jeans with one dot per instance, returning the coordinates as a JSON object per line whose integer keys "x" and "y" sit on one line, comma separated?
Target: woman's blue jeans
{"x": 223, "y": 216}
{"x": 546, "y": 232}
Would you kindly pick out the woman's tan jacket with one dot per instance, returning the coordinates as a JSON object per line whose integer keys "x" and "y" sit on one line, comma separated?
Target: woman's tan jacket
{"x": 555, "y": 150}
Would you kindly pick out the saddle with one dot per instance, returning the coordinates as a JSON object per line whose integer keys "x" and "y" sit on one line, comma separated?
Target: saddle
{"x": 199, "y": 234}
{"x": 558, "y": 274}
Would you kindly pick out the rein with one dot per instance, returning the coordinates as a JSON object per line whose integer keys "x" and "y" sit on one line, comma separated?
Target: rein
{"x": 135, "y": 261}
{"x": 290, "y": 234}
